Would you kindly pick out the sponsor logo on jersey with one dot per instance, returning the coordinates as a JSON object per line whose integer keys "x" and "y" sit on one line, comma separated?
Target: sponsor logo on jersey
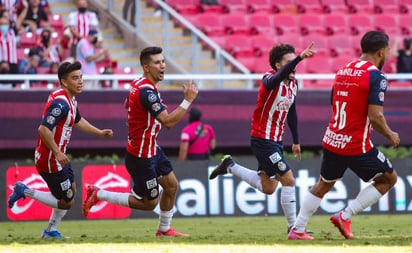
{"x": 156, "y": 107}
{"x": 381, "y": 96}
{"x": 152, "y": 97}
{"x": 56, "y": 112}
{"x": 50, "y": 120}
{"x": 383, "y": 84}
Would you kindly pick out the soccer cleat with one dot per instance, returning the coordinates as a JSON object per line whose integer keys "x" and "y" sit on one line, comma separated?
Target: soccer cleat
{"x": 18, "y": 193}
{"x": 170, "y": 232}
{"x": 91, "y": 199}
{"x": 293, "y": 235}
{"x": 51, "y": 234}
{"x": 221, "y": 169}
{"x": 342, "y": 225}
{"x": 310, "y": 232}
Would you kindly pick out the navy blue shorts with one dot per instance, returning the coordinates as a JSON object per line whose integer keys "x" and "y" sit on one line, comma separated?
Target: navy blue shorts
{"x": 270, "y": 156}
{"x": 60, "y": 183}
{"x": 367, "y": 166}
{"x": 145, "y": 173}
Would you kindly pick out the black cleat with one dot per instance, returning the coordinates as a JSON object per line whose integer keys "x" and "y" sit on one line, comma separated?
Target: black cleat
{"x": 221, "y": 169}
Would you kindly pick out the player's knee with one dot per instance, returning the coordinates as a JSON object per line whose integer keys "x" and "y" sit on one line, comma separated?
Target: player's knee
{"x": 151, "y": 204}
{"x": 65, "y": 205}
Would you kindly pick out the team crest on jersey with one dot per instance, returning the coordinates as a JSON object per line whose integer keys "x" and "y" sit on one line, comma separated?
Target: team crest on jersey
{"x": 51, "y": 120}
{"x": 383, "y": 84}
{"x": 282, "y": 166}
{"x": 56, "y": 112}
{"x": 153, "y": 193}
{"x": 156, "y": 107}
{"x": 381, "y": 96}
{"x": 152, "y": 97}
{"x": 69, "y": 194}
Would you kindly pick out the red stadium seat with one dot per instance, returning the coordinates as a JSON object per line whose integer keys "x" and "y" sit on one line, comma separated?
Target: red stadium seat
{"x": 355, "y": 44}
{"x": 284, "y": 6}
{"x": 286, "y": 24}
{"x": 320, "y": 44}
{"x": 254, "y": 6}
{"x": 386, "y": 6}
{"x": 261, "y": 65}
{"x": 334, "y": 6}
{"x": 248, "y": 62}
{"x": 360, "y": 6}
{"x": 336, "y": 24}
{"x": 234, "y": 6}
{"x": 318, "y": 65}
{"x": 262, "y": 44}
{"x": 360, "y": 23}
{"x": 56, "y": 22}
{"x": 405, "y": 22}
{"x": 387, "y": 23}
{"x": 390, "y": 65}
{"x": 261, "y": 24}
{"x": 311, "y": 24}
{"x": 235, "y": 23}
{"x": 308, "y": 6}
{"x": 405, "y": 6}
{"x": 210, "y": 8}
{"x": 210, "y": 24}
{"x": 43, "y": 70}
{"x": 292, "y": 39}
{"x": 122, "y": 71}
{"x": 400, "y": 84}
{"x": 338, "y": 62}
{"x": 28, "y": 40}
{"x": 340, "y": 45}
{"x": 184, "y": 6}
{"x": 22, "y": 52}
{"x": 239, "y": 46}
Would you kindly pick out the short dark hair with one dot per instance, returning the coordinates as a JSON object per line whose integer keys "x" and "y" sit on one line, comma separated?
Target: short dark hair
{"x": 195, "y": 114}
{"x": 277, "y": 52}
{"x": 147, "y": 53}
{"x": 66, "y": 68}
{"x": 372, "y": 41}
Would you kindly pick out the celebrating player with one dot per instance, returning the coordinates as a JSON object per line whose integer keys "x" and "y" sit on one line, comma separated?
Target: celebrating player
{"x": 357, "y": 101}
{"x": 275, "y": 105}
{"x": 59, "y": 116}
{"x": 146, "y": 162}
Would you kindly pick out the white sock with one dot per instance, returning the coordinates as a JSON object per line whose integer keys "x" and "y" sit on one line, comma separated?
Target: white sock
{"x": 288, "y": 203}
{"x": 309, "y": 206}
{"x": 165, "y": 219}
{"x": 249, "y": 176}
{"x": 55, "y": 219}
{"x": 366, "y": 197}
{"x": 117, "y": 198}
{"x": 44, "y": 197}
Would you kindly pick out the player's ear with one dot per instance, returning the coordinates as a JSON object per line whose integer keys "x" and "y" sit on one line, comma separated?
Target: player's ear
{"x": 145, "y": 68}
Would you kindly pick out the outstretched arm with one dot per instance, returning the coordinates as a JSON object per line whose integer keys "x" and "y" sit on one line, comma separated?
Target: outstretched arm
{"x": 84, "y": 126}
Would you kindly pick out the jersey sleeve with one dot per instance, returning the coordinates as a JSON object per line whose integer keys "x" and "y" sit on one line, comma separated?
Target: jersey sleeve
{"x": 150, "y": 100}
{"x": 78, "y": 116}
{"x": 377, "y": 88}
{"x": 56, "y": 111}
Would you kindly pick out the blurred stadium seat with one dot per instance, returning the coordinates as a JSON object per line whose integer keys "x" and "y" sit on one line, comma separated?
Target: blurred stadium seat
{"x": 286, "y": 23}
{"x": 334, "y": 6}
{"x": 259, "y": 6}
{"x": 308, "y": 6}
{"x": 261, "y": 23}
{"x": 311, "y": 23}
{"x": 235, "y": 23}
{"x": 336, "y": 24}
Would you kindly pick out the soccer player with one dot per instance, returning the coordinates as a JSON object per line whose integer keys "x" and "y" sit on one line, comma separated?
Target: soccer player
{"x": 357, "y": 101}
{"x": 275, "y": 105}
{"x": 59, "y": 116}
{"x": 145, "y": 161}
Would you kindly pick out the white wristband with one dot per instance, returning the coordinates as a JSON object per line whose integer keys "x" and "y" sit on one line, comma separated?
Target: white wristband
{"x": 185, "y": 104}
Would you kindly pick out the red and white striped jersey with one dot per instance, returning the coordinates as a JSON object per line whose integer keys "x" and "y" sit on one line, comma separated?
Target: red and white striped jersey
{"x": 83, "y": 22}
{"x": 143, "y": 107}
{"x": 356, "y": 85}
{"x": 271, "y": 110}
{"x": 59, "y": 115}
{"x": 8, "y": 47}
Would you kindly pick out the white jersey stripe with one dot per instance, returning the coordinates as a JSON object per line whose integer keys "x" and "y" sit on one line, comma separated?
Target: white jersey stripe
{"x": 365, "y": 135}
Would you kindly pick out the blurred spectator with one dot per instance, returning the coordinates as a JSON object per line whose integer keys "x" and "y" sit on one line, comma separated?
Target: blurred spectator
{"x": 4, "y": 70}
{"x": 64, "y": 44}
{"x": 32, "y": 17}
{"x": 129, "y": 6}
{"x": 8, "y": 42}
{"x": 108, "y": 83}
{"x": 98, "y": 47}
{"x": 81, "y": 22}
{"x": 197, "y": 139}
{"x": 13, "y": 24}
{"x": 11, "y": 7}
{"x": 29, "y": 64}
{"x": 404, "y": 56}
{"x": 54, "y": 67}
{"x": 49, "y": 52}
{"x": 87, "y": 56}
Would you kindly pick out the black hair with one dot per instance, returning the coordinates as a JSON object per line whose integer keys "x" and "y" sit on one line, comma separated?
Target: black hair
{"x": 2, "y": 12}
{"x": 195, "y": 114}
{"x": 373, "y": 41}
{"x": 277, "y": 52}
{"x": 66, "y": 68}
{"x": 147, "y": 53}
